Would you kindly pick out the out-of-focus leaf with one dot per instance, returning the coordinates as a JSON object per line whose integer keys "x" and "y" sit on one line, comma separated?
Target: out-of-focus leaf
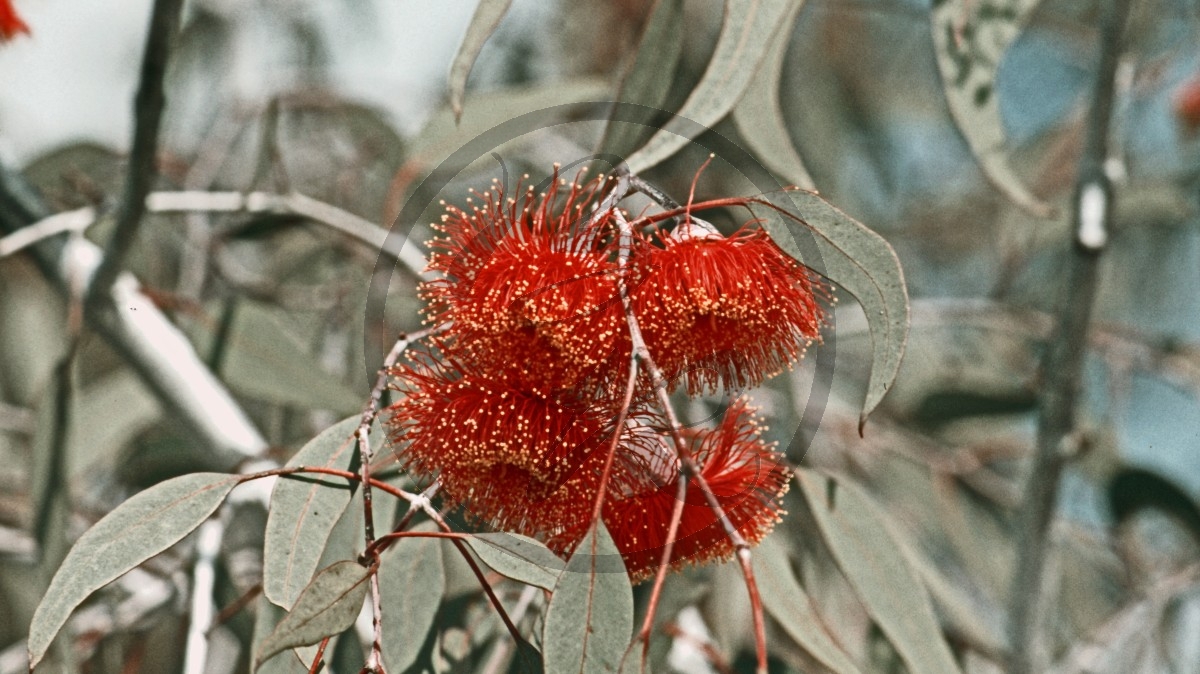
{"x": 411, "y": 581}
{"x": 860, "y": 261}
{"x": 263, "y": 361}
{"x": 327, "y": 606}
{"x": 744, "y": 40}
{"x": 648, "y": 78}
{"x": 266, "y": 617}
{"x": 759, "y": 118}
{"x": 107, "y": 415}
{"x": 590, "y": 617}
{"x": 970, "y": 38}
{"x": 786, "y": 601}
{"x": 487, "y": 17}
{"x": 303, "y": 512}
{"x": 868, "y": 554}
{"x": 442, "y": 136}
{"x": 518, "y": 557}
{"x": 135, "y": 531}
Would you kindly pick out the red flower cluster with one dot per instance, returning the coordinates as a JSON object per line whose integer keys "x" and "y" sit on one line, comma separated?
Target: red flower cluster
{"x": 515, "y": 409}
{"x": 10, "y": 22}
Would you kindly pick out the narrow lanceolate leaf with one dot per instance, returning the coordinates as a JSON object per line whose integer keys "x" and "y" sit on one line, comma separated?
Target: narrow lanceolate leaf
{"x": 970, "y": 38}
{"x": 266, "y": 617}
{"x": 759, "y": 118}
{"x": 487, "y": 17}
{"x": 788, "y": 603}
{"x": 745, "y": 37}
{"x": 303, "y": 512}
{"x": 647, "y": 80}
{"x": 858, "y": 260}
{"x": 326, "y": 607}
{"x": 135, "y": 531}
{"x": 412, "y": 579}
{"x": 519, "y": 557}
{"x": 868, "y": 553}
{"x": 589, "y": 621}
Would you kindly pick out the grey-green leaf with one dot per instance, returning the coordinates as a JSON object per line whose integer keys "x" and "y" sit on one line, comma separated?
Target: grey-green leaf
{"x": 868, "y": 553}
{"x": 484, "y": 22}
{"x": 786, "y": 601}
{"x": 647, "y": 80}
{"x": 858, "y": 260}
{"x": 326, "y": 607}
{"x": 135, "y": 531}
{"x": 519, "y": 557}
{"x": 744, "y": 40}
{"x": 759, "y": 117}
{"x": 970, "y": 39}
{"x": 412, "y": 579}
{"x": 266, "y": 617}
{"x": 589, "y": 621}
{"x": 303, "y": 512}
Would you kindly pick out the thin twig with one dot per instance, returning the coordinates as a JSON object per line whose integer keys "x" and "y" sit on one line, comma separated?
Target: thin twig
{"x": 466, "y": 555}
{"x": 370, "y": 553}
{"x": 319, "y": 657}
{"x": 59, "y": 223}
{"x": 690, "y": 470}
{"x": 148, "y": 106}
{"x": 343, "y": 221}
{"x": 1063, "y": 364}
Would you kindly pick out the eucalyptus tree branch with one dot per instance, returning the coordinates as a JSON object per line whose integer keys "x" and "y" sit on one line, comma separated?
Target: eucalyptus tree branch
{"x": 689, "y": 469}
{"x": 143, "y": 152}
{"x": 1063, "y": 363}
{"x": 343, "y": 221}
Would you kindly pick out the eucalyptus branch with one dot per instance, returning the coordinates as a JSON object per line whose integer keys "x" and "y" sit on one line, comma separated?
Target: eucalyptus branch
{"x": 343, "y": 221}
{"x": 689, "y": 469}
{"x": 1063, "y": 364}
{"x": 143, "y": 153}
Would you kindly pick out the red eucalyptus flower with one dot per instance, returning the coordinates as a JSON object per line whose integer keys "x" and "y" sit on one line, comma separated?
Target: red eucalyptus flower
{"x": 527, "y": 284}
{"x": 744, "y": 473}
{"x": 10, "y": 22}
{"x": 728, "y": 311}
{"x": 520, "y": 459}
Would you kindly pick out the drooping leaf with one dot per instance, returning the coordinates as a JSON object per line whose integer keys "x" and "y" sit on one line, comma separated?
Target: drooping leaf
{"x": 518, "y": 557}
{"x": 744, "y": 40}
{"x": 869, "y": 555}
{"x": 327, "y": 606}
{"x": 589, "y": 620}
{"x": 647, "y": 80}
{"x": 135, "y": 531}
{"x": 786, "y": 601}
{"x": 970, "y": 38}
{"x": 759, "y": 117}
{"x": 411, "y": 581}
{"x": 858, "y": 260}
{"x": 484, "y": 22}
{"x": 303, "y": 512}
{"x": 266, "y": 617}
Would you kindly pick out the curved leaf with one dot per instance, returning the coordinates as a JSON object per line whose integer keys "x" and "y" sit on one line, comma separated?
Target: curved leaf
{"x": 327, "y": 606}
{"x": 745, "y": 37}
{"x": 648, "y": 78}
{"x": 860, "y": 261}
{"x": 589, "y": 621}
{"x": 412, "y": 579}
{"x": 868, "y": 554}
{"x": 484, "y": 22}
{"x": 970, "y": 38}
{"x": 303, "y": 512}
{"x": 759, "y": 118}
{"x": 138, "y": 529}
{"x": 789, "y": 603}
{"x": 519, "y": 557}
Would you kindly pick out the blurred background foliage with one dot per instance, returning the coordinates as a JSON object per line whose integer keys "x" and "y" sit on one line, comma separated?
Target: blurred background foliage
{"x": 345, "y": 104}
